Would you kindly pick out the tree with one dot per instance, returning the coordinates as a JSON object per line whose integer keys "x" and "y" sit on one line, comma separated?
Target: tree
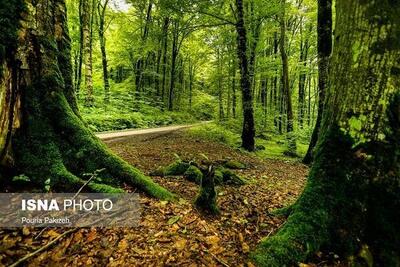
{"x": 87, "y": 39}
{"x": 352, "y": 194}
{"x": 248, "y": 132}
{"x": 287, "y": 97}
{"x": 101, "y": 15}
{"x": 46, "y": 138}
{"x": 324, "y": 52}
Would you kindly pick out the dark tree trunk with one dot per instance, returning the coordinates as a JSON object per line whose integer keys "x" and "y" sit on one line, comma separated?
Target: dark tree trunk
{"x": 164, "y": 57}
{"x": 78, "y": 77}
{"x": 101, "y": 10}
{"x": 220, "y": 88}
{"x": 304, "y": 47}
{"x": 285, "y": 84}
{"x": 50, "y": 142}
{"x": 248, "y": 132}
{"x": 324, "y": 52}
{"x": 174, "y": 55}
{"x": 140, "y": 64}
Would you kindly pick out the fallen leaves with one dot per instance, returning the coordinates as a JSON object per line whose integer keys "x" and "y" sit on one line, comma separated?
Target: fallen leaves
{"x": 174, "y": 234}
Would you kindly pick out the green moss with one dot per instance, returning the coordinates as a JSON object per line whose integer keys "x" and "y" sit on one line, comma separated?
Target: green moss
{"x": 10, "y": 14}
{"x": 229, "y": 177}
{"x": 218, "y": 176}
{"x": 233, "y": 164}
{"x": 103, "y": 188}
{"x": 193, "y": 174}
{"x": 176, "y": 168}
{"x": 321, "y": 209}
{"x": 207, "y": 197}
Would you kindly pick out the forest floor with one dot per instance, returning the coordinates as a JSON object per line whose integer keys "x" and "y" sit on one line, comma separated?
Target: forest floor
{"x": 174, "y": 234}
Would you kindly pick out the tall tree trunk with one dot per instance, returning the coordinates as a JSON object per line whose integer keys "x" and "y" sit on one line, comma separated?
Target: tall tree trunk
{"x": 324, "y": 52}
{"x": 140, "y": 65}
{"x": 101, "y": 10}
{"x": 304, "y": 47}
{"x": 78, "y": 67}
{"x": 220, "y": 88}
{"x": 248, "y": 132}
{"x": 351, "y": 202}
{"x": 234, "y": 88}
{"x": 191, "y": 81}
{"x": 87, "y": 21}
{"x": 49, "y": 140}
{"x": 174, "y": 55}
{"x": 285, "y": 84}
{"x": 164, "y": 57}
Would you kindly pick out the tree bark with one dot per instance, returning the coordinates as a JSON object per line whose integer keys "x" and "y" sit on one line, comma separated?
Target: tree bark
{"x": 324, "y": 52}
{"x": 248, "y": 132}
{"x": 285, "y": 84}
{"x": 164, "y": 57}
{"x": 50, "y": 142}
{"x": 87, "y": 26}
{"x": 101, "y": 10}
{"x": 351, "y": 201}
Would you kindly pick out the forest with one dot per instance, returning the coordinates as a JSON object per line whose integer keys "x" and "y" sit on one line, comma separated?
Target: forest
{"x": 253, "y": 132}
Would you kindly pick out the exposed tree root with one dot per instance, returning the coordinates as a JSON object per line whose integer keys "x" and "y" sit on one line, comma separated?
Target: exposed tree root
{"x": 314, "y": 216}
{"x": 55, "y": 144}
{"x": 194, "y": 172}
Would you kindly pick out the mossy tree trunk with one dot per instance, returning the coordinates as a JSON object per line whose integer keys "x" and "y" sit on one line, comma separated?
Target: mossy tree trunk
{"x": 352, "y": 194}
{"x": 49, "y": 141}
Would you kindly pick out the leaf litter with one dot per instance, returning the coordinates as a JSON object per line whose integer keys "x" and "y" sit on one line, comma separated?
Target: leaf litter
{"x": 174, "y": 234}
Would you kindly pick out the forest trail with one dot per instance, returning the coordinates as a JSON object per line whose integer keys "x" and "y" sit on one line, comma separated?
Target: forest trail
{"x": 134, "y": 132}
{"x": 175, "y": 234}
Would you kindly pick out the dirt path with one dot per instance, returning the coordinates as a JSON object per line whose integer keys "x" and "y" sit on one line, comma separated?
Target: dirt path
{"x": 174, "y": 234}
{"x": 134, "y": 132}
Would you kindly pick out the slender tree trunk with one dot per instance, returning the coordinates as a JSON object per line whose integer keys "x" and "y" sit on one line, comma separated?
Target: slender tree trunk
{"x": 220, "y": 88}
{"x": 174, "y": 55}
{"x": 248, "y": 132}
{"x": 87, "y": 21}
{"x": 140, "y": 65}
{"x": 285, "y": 83}
{"x": 324, "y": 52}
{"x": 164, "y": 59}
{"x": 304, "y": 46}
{"x": 78, "y": 67}
{"x": 101, "y": 9}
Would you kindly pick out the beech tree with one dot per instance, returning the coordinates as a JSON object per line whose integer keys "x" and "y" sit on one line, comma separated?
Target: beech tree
{"x": 352, "y": 195}
{"x": 45, "y": 137}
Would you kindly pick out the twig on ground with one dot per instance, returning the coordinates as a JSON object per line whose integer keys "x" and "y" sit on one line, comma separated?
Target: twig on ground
{"x": 217, "y": 259}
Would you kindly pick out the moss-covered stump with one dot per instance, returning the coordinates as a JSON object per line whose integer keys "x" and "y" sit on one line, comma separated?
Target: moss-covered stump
{"x": 225, "y": 176}
{"x": 207, "y": 197}
{"x": 178, "y": 167}
{"x": 235, "y": 165}
{"x": 193, "y": 174}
